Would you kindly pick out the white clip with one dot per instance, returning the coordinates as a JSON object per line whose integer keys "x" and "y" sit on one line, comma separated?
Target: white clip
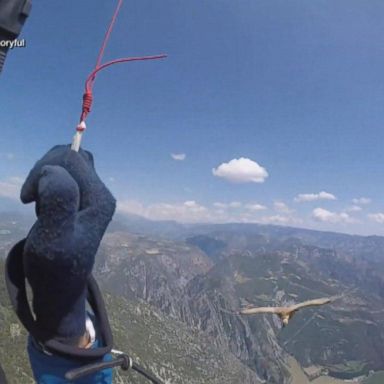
{"x": 76, "y": 141}
{"x": 115, "y": 351}
{"x": 130, "y": 362}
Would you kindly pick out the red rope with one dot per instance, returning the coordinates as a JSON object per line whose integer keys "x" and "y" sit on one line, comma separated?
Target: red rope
{"x": 88, "y": 97}
{"x": 108, "y": 33}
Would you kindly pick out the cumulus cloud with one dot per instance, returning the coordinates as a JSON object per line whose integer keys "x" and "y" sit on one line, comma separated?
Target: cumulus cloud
{"x": 281, "y": 219}
{"x": 255, "y": 207}
{"x": 192, "y": 204}
{"x": 178, "y": 156}
{"x": 191, "y": 211}
{"x": 188, "y": 211}
{"x": 323, "y": 215}
{"x": 241, "y": 170}
{"x": 275, "y": 219}
{"x": 280, "y": 206}
{"x": 10, "y": 187}
{"x": 377, "y": 217}
{"x": 361, "y": 200}
{"x": 220, "y": 205}
{"x": 233, "y": 204}
{"x": 304, "y": 197}
{"x": 354, "y": 208}
{"x": 130, "y": 206}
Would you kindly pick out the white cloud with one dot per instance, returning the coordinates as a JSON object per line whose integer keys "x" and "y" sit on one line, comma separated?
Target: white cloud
{"x": 361, "y": 200}
{"x": 188, "y": 211}
{"x": 191, "y": 204}
{"x": 280, "y": 206}
{"x": 241, "y": 170}
{"x": 233, "y": 204}
{"x": 377, "y": 217}
{"x": 255, "y": 207}
{"x": 281, "y": 220}
{"x": 323, "y": 215}
{"x": 304, "y": 197}
{"x": 130, "y": 206}
{"x": 220, "y": 205}
{"x": 275, "y": 219}
{"x": 191, "y": 211}
{"x": 10, "y": 187}
{"x": 178, "y": 156}
{"x": 354, "y": 208}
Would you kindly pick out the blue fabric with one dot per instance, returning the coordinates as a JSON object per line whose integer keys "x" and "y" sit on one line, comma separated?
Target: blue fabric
{"x": 51, "y": 369}
{"x": 73, "y": 208}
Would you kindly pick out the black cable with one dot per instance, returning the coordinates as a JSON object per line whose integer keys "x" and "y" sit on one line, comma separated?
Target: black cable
{"x": 146, "y": 374}
{"x": 92, "y": 368}
{"x": 123, "y": 361}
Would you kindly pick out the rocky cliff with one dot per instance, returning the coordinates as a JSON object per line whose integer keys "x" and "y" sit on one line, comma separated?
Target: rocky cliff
{"x": 200, "y": 280}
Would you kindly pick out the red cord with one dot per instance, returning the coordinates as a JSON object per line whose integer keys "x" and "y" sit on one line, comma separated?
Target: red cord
{"x": 87, "y": 97}
{"x": 89, "y": 81}
{"x": 108, "y": 33}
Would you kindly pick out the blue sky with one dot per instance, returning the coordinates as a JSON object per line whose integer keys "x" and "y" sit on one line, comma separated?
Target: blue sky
{"x": 273, "y": 108}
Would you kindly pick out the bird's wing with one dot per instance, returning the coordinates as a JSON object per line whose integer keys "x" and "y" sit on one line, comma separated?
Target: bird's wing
{"x": 309, "y": 303}
{"x": 254, "y": 310}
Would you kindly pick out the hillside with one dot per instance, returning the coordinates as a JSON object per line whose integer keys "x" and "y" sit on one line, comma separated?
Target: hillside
{"x": 168, "y": 348}
{"x": 169, "y": 298}
{"x": 261, "y": 268}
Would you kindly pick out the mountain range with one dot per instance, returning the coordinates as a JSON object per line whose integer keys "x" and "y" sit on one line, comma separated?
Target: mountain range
{"x": 171, "y": 290}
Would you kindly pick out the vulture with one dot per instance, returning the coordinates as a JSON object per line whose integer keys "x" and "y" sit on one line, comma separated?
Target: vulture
{"x": 284, "y": 313}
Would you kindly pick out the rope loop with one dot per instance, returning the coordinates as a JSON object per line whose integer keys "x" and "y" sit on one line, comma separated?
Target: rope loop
{"x": 87, "y": 104}
{"x": 127, "y": 364}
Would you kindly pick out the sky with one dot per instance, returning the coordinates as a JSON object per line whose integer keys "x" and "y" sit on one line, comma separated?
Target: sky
{"x": 267, "y": 111}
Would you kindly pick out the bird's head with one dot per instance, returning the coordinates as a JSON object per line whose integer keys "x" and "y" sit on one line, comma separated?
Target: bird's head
{"x": 285, "y": 320}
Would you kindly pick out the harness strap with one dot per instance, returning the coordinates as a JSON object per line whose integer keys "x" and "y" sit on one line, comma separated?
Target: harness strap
{"x": 15, "y": 282}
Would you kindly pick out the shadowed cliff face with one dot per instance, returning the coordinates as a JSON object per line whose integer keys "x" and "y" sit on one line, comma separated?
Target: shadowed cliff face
{"x": 3, "y": 378}
{"x": 170, "y": 276}
{"x": 185, "y": 282}
{"x": 347, "y": 330}
{"x": 189, "y": 283}
{"x": 210, "y": 299}
{"x": 164, "y": 346}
